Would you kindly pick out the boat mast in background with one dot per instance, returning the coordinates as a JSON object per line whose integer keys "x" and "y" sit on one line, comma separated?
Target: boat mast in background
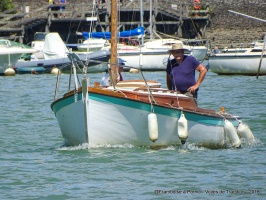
{"x": 262, "y": 53}
{"x": 248, "y": 16}
{"x": 141, "y": 20}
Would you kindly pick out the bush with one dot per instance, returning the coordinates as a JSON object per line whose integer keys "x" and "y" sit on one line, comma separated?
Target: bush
{"x": 5, "y": 5}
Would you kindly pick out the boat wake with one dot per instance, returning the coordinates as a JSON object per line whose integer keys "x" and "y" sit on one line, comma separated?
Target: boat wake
{"x": 182, "y": 148}
{"x": 251, "y": 143}
{"x": 86, "y": 146}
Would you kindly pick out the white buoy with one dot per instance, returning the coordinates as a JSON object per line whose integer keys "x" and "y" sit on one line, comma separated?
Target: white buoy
{"x": 55, "y": 71}
{"x": 133, "y": 70}
{"x": 182, "y": 128}
{"x": 244, "y": 132}
{"x": 231, "y": 133}
{"x": 153, "y": 127}
{"x": 9, "y": 72}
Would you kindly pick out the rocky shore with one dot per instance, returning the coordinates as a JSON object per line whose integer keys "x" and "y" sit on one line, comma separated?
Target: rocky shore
{"x": 227, "y": 29}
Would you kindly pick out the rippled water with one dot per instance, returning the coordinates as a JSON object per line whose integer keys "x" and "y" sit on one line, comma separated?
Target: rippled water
{"x": 34, "y": 165}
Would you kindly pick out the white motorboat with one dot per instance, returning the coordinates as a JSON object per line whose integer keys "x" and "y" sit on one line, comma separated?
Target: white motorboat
{"x": 239, "y": 61}
{"x": 54, "y": 54}
{"x": 10, "y": 52}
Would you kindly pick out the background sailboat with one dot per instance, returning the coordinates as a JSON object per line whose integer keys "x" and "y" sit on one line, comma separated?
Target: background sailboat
{"x": 153, "y": 50}
{"x": 240, "y": 61}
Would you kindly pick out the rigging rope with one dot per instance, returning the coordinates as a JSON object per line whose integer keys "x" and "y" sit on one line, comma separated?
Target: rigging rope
{"x": 175, "y": 88}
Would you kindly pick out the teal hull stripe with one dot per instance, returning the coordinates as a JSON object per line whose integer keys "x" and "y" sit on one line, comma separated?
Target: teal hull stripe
{"x": 143, "y": 106}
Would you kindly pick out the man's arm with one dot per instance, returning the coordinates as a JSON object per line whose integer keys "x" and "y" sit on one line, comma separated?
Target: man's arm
{"x": 202, "y": 72}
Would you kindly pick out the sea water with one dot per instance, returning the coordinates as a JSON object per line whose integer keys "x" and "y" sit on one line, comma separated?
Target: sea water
{"x": 35, "y": 165}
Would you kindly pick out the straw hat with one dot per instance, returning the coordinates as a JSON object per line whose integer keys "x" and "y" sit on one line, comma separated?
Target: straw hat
{"x": 176, "y": 46}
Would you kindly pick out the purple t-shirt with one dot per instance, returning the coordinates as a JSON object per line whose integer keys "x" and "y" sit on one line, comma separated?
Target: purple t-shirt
{"x": 183, "y": 74}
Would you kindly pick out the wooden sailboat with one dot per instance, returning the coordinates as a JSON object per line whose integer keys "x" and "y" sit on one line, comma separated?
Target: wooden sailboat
{"x": 140, "y": 113}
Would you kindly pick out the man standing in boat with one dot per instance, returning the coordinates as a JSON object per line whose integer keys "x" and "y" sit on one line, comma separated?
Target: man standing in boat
{"x": 180, "y": 72}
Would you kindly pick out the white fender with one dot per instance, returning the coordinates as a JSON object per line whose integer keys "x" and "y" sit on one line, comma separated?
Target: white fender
{"x": 182, "y": 128}
{"x": 9, "y": 72}
{"x": 231, "y": 133}
{"x": 244, "y": 132}
{"x": 133, "y": 70}
{"x": 55, "y": 71}
{"x": 153, "y": 127}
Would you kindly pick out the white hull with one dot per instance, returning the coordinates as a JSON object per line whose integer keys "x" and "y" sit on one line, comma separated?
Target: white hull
{"x": 237, "y": 63}
{"x": 91, "y": 48}
{"x": 9, "y": 55}
{"x": 116, "y": 123}
{"x": 154, "y": 60}
{"x": 7, "y": 61}
{"x": 153, "y": 55}
{"x": 92, "y": 44}
{"x": 147, "y": 61}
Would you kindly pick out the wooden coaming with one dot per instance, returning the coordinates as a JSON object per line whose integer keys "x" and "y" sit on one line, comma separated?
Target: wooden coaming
{"x": 158, "y": 96}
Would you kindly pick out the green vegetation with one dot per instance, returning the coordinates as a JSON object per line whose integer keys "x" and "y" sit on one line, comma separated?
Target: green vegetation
{"x": 5, "y": 5}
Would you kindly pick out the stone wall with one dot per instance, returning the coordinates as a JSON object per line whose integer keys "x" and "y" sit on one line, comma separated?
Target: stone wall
{"x": 227, "y": 29}
{"x": 230, "y": 29}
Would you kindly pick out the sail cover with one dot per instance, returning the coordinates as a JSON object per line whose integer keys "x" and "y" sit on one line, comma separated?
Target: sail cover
{"x": 54, "y": 47}
{"x": 107, "y": 35}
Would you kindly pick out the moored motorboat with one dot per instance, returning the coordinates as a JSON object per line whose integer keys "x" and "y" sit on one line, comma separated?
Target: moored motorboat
{"x": 10, "y": 52}
{"x": 55, "y": 55}
{"x": 240, "y": 61}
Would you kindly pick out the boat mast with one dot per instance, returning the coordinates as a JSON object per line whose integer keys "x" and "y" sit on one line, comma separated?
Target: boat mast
{"x": 113, "y": 61}
{"x": 151, "y": 34}
{"x": 141, "y": 20}
{"x": 248, "y": 16}
{"x": 262, "y": 53}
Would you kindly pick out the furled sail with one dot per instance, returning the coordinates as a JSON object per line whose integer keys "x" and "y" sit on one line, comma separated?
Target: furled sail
{"x": 107, "y": 35}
